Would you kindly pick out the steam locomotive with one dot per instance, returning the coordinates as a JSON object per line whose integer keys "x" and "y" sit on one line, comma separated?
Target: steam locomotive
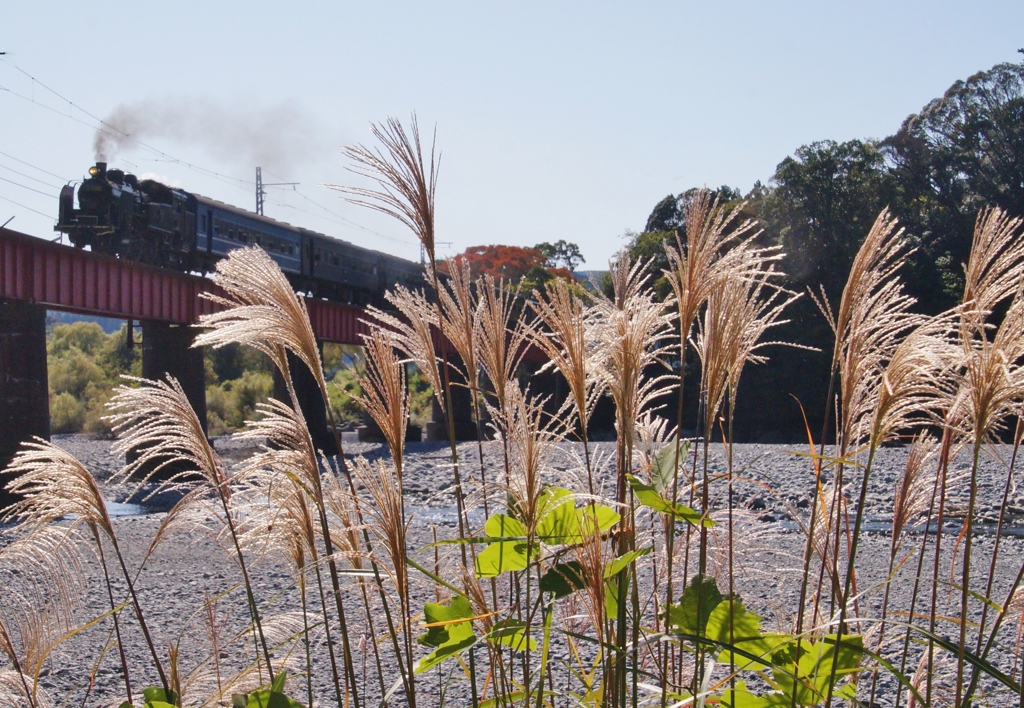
{"x": 148, "y": 222}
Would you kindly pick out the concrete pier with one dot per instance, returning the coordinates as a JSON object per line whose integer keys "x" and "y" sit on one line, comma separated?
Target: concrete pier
{"x": 167, "y": 349}
{"x": 461, "y": 412}
{"x": 24, "y": 389}
{"x": 310, "y": 401}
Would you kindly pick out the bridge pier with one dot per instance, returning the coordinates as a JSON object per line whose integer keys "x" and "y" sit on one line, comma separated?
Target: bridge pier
{"x": 24, "y": 389}
{"x": 167, "y": 349}
{"x": 310, "y": 401}
{"x": 461, "y": 413}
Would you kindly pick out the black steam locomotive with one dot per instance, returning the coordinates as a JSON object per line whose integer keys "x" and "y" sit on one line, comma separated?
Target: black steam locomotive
{"x": 149, "y": 222}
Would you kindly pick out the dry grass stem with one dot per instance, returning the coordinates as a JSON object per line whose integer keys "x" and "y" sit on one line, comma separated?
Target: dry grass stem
{"x": 406, "y": 186}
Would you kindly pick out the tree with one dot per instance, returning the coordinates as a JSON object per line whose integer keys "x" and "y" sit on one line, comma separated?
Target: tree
{"x": 560, "y": 254}
{"x": 509, "y": 262}
{"x": 823, "y": 203}
{"x": 963, "y": 151}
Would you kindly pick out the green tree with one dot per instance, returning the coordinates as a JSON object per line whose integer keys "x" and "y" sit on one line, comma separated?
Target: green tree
{"x": 823, "y": 203}
{"x": 560, "y": 254}
{"x": 963, "y": 151}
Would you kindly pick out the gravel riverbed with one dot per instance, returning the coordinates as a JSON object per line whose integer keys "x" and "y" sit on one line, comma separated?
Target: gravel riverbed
{"x": 774, "y": 484}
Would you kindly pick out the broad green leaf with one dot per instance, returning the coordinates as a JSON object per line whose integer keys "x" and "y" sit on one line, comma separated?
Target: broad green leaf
{"x": 604, "y": 516}
{"x": 504, "y": 526}
{"x": 741, "y": 697}
{"x": 649, "y": 497}
{"x": 699, "y": 600}
{"x": 558, "y": 521}
{"x": 460, "y": 641}
{"x": 512, "y": 634}
{"x": 278, "y": 683}
{"x": 155, "y": 694}
{"x": 450, "y": 638}
{"x": 266, "y": 698}
{"x": 744, "y": 634}
{"x": 501, "y": 557}
{"x": 663, "y": 467}
{"x": 563, "y": 579}
{"x": 436, "y": 614}
{"x": 616, "y": 566}
{"x": 814, "y": 667}
{"x": 611, "y": 598}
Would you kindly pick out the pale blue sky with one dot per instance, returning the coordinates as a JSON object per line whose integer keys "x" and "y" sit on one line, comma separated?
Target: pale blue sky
{"x": 556, "y": 120}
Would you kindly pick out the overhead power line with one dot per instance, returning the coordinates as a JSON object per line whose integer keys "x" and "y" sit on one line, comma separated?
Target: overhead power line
{"x": 29, "y": 164}
{"x": 31, "y": 189}
{"x": 160, "y": 156}
{"x": 18, "y": 204}
{"x": 34, "y": 179}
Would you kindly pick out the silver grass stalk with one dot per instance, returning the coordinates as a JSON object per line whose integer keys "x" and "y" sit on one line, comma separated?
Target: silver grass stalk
{"x": 634, "y": 330}
{"x": 500, "y": 340}
{"x": 413, "y": 333}
{"x": 571, "y": 348}
{"x": 405, "y": 184}
{"x": 384, "y": 394}
{"x": 157, "y": 419}
{"x": 262, "y": 312}
{"x": 55, "y": 484}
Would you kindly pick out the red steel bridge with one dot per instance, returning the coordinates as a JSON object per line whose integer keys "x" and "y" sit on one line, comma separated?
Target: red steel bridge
{"x": 43, "y": 273}
{"x": 37, "y": 275}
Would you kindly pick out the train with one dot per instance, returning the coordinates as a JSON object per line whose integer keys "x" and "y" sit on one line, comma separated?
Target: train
{"x": 149, "y": 222}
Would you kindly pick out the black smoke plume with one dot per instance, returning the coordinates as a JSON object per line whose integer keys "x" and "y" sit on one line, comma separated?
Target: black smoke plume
{"x": 276, "y": 135}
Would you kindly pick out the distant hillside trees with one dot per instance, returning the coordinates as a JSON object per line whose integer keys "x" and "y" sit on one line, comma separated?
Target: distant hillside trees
{"x": 963, "y": 150}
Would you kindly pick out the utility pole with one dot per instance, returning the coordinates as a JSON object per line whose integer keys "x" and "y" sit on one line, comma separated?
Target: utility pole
{"x": 261, "y": 193}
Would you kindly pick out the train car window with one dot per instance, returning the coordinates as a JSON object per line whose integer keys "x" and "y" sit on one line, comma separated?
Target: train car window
{"x": 202, "y": 220}
{"x": 335, "y": 259}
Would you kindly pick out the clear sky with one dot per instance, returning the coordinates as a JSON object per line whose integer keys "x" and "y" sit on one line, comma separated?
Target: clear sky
{"x": 556, "y": 120}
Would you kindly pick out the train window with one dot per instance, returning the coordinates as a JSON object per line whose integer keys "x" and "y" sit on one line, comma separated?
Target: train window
{"x": 335, "y": 259}
{"x": 202, "y": 220}
{"x": 316, "y": 256}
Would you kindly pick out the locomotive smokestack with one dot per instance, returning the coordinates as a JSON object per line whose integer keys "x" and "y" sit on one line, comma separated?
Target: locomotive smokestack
{"x": 100, "y": 170}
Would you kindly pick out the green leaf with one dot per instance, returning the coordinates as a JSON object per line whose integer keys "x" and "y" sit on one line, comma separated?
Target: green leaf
{"x": 740, "y": 697}
{"x": 616, "y": 566}
{"x": 156, "y": 697}
{"x": 814, "y": 667}
{"x": 599, "y": 515}
{"x": 663, "y": 467}
{"x": 745, "y": 635}
{"x": 278, "y": 683}
{"x": 611, "y": 596}
{"x": 154, "y": 694}
{"x": 558, "y": 521}
{"x": 504, "y": 526}
{"x": 451, "y": 637}
{"x": 563, "y": 579}
{"x": 501, "y": 557}
{"x": 699, "y": 600}
{"x": 512, "y": 633}
{"x": 443, "y": 617}
{"x": 649, "y": 497}
{"x": 267, "y": 698}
